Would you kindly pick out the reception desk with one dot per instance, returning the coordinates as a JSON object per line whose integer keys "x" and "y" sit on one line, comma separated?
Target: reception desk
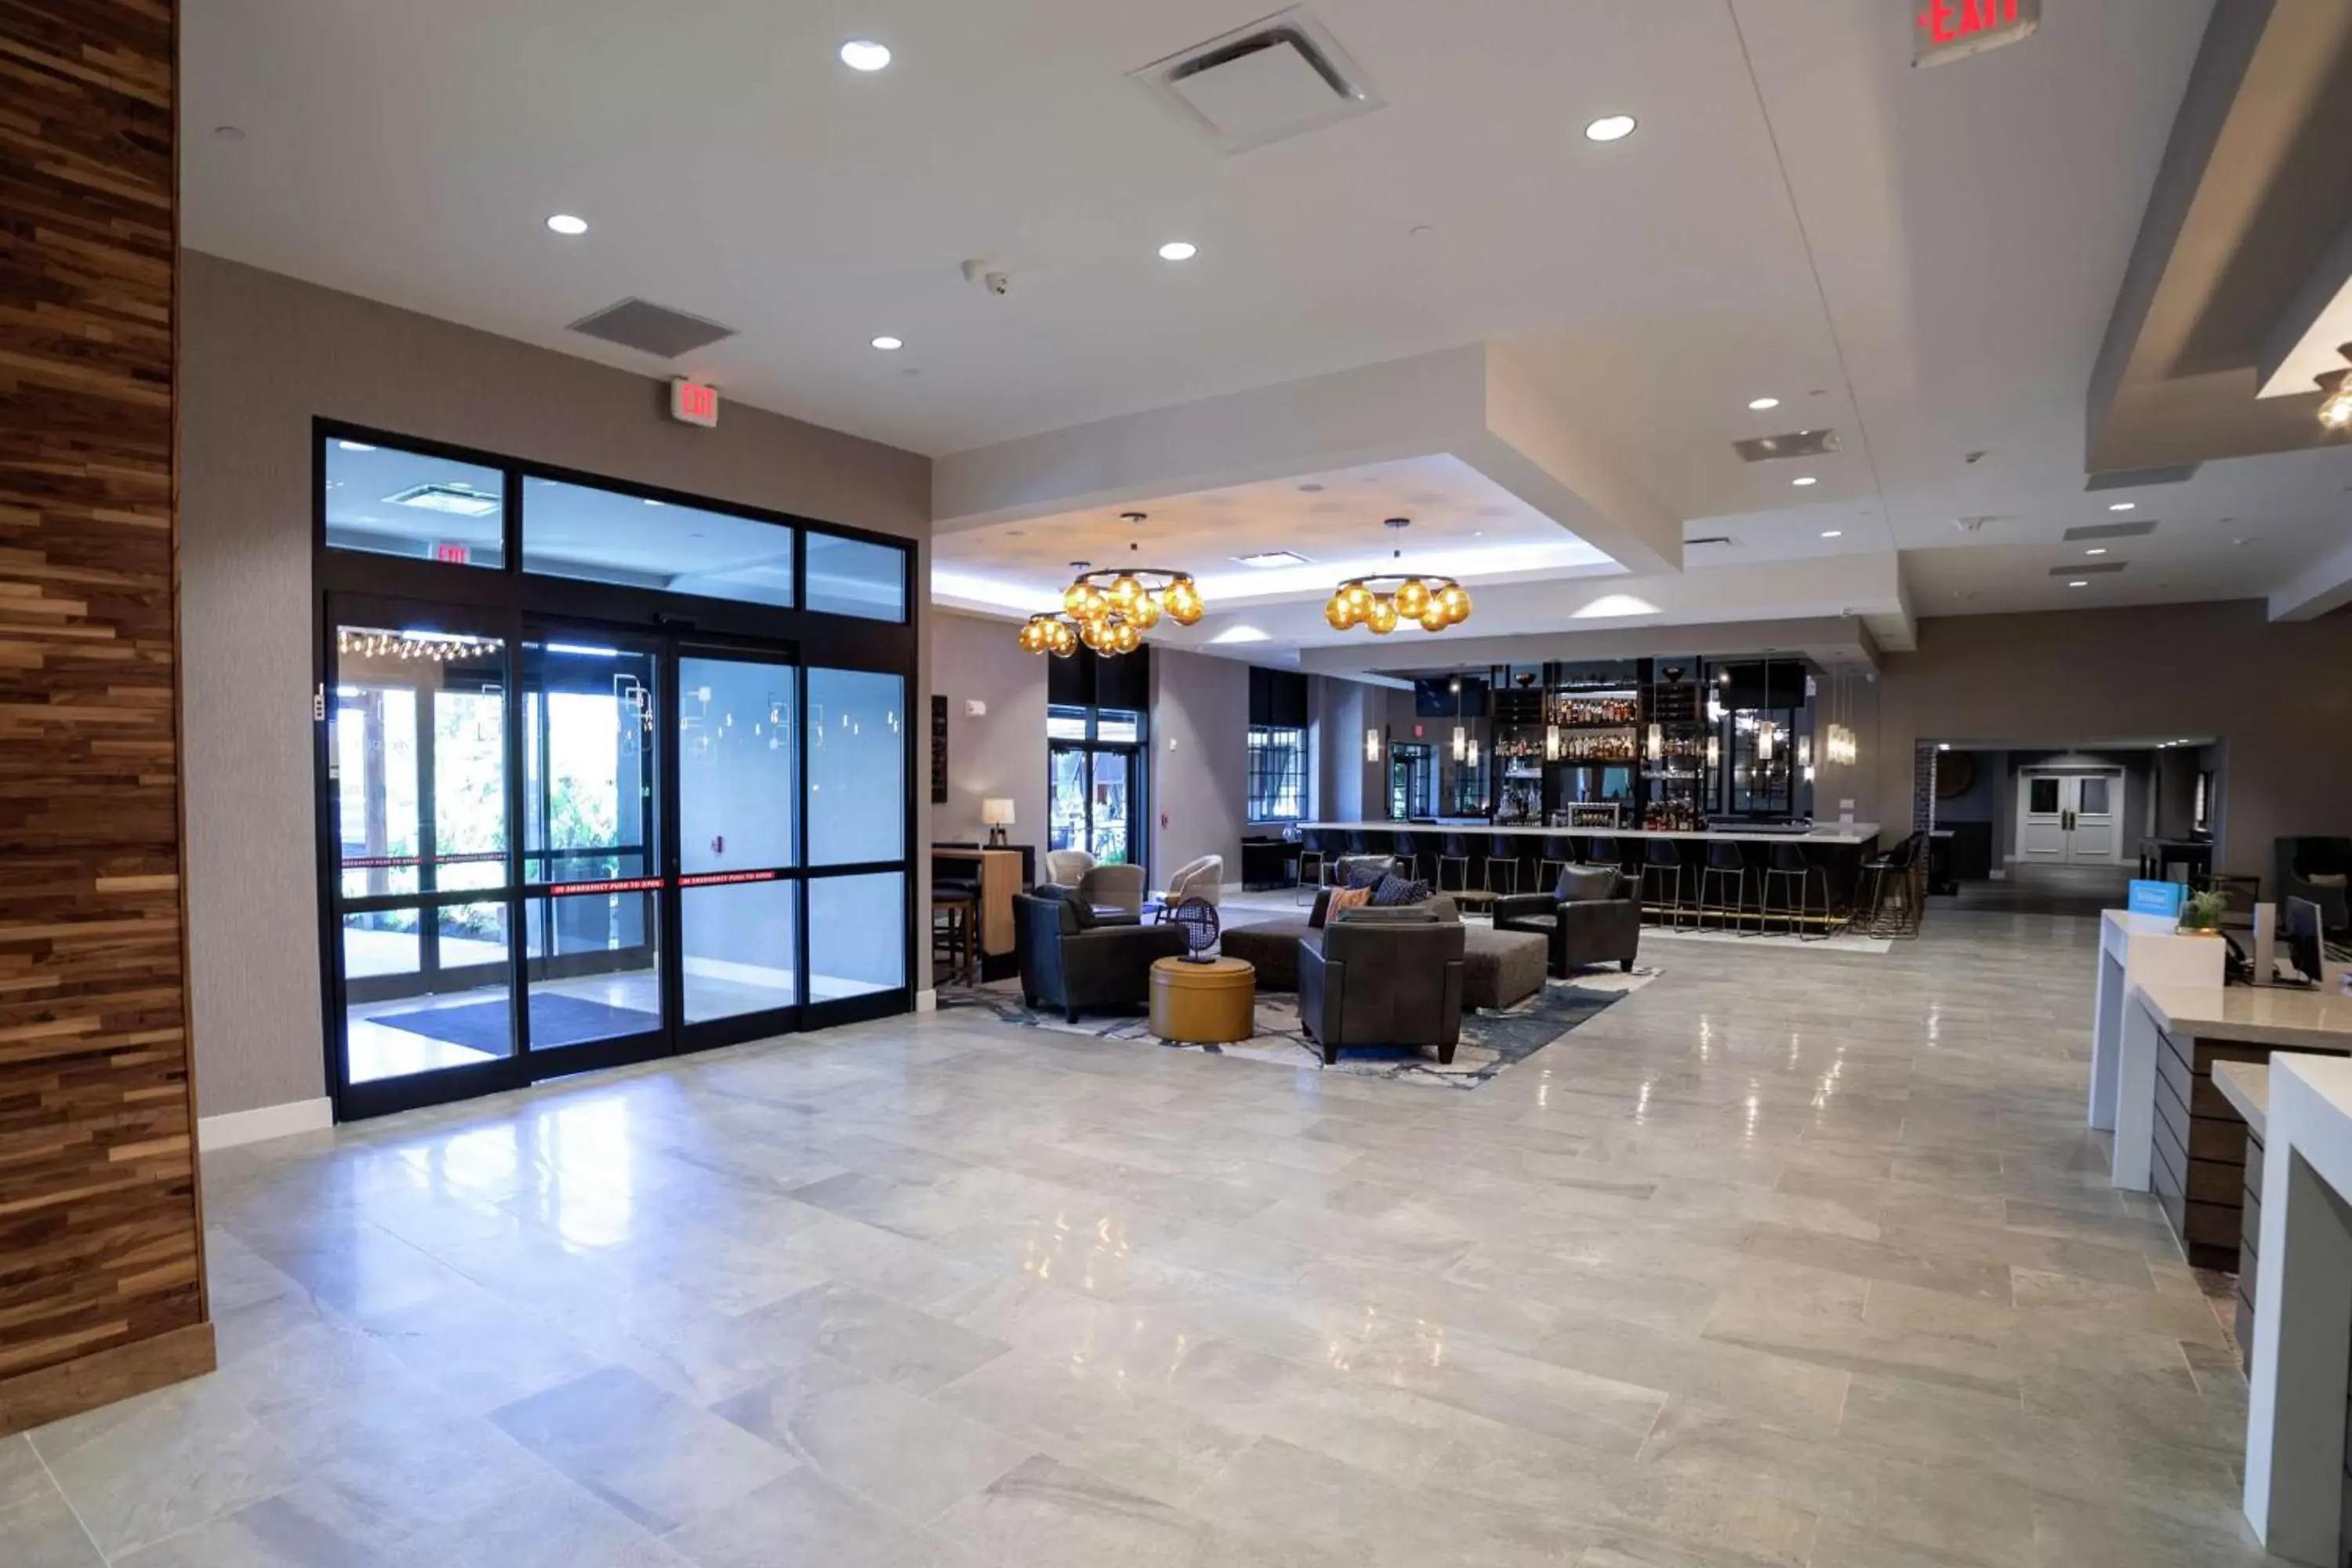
{"x": 2138, "y": 950}
{"x": 2177, "y": 1134}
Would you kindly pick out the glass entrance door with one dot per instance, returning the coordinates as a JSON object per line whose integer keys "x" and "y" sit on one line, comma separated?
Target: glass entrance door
{"x": 593, "y": 918}
{"x": 1091, "y": 803}
{"x": 420, "y": 861}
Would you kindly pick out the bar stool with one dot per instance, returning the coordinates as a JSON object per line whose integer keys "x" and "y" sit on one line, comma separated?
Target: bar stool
{"x": 1889, "y": 878}
{"x": 1503, "y": 850}
{"x": 960, "y": 936}
{"x": 1406, "y": 848}
{"x": 1558, "y": 855}
{"x": 1662, "y": 866}
{"x": 1359, "y": 841}
{"x": 1456, "y": 852}
{"x": 1599, "y": 851}
{"x": 1791, "y": 866}
{"x": 1726, "y": 859}
{"x": 1312, "y": 853}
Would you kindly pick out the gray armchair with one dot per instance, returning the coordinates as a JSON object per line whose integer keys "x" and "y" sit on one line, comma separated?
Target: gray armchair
{"x": 1070, "y": 961}
{"x": 1382, "y": 977}
{"x": 2317, "y": 868}
{"x": 1116, "y": 888}
{"x": 1204, "y": 878}
{"x": 1068, "y": 867}
{"x": 1591, "y": 917}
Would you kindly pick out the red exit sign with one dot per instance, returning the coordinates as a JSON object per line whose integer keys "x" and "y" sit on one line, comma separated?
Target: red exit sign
{"x": 691, "y": 403}
{"x": 1954, "y": 29}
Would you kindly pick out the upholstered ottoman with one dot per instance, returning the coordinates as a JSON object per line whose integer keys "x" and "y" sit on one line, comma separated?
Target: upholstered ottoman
{"x": 1272, "y": 949}
{"x": 1500, "y": 968}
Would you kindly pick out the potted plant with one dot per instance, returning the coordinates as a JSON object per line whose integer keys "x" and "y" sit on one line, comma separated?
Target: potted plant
{"x": 2201, "y": 914}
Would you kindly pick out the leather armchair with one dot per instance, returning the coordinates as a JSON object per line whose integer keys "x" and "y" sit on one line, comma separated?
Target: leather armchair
{"x": 2317, "y": 868}
{"x": 1382, "y": 977}
{"x": 1591, "y": 917}
{"x": 1069, "y": 962}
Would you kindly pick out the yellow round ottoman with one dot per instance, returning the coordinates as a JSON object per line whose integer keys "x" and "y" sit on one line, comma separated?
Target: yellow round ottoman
{"x": 1212, "y": 1004}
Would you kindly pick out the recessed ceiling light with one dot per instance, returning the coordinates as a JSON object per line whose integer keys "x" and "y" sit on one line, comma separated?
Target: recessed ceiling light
{"x": 2097, "y": 550}
{"x": 1802, "y": 481}
{"x": 1610, "y": 128}
{"x": 1760, "y": 404}
{"x": 2079, "y": 583}
{"x": 2121, "y": 505}
{"x": 1178, "y": 250}
{"x": 355, "y": 445}
{"x": 886, "y": 343}
{"x": 1610, "y": 604}
{"x": 865, "y": 55}
{"x": 1240, "y": 634}
{"x": 650, "y": 501}
{"x": 565, "y": 224}
{"x": 1834, "y": 533}
{"x": 1266, "y": 560}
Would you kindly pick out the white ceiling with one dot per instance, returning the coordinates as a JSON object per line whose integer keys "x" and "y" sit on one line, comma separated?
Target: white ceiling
{"x": 1923, "y": 260}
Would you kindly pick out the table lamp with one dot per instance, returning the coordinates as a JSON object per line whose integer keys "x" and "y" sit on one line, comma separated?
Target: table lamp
{"x": 996, "y": 816}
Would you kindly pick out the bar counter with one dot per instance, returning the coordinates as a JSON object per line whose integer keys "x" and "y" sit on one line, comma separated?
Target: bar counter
{"x": 1852, "y": 833}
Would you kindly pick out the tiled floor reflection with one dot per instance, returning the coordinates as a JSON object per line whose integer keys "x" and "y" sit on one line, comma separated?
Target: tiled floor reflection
{"x": 1789, "y": 1259}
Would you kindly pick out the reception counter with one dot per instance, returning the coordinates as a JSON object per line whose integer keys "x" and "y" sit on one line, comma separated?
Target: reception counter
{"x": 2175, "y": 1132}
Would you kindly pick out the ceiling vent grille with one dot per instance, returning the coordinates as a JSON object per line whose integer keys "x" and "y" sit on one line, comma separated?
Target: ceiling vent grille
{"x": 1723, "y": 539}
{"x": 2133, "y": 478}
{"x": 1273, "y": 79}
{"x": 651, "y": 329}
{"x": 2090, "y": 569}
{"x": 2109, "y": 530}
{"x": 1795, "y": 443}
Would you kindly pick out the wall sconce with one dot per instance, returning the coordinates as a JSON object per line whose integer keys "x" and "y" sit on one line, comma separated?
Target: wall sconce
{"x": 1764, "y": 733}
{"x": 1714, "y": 752}
{"x": 1551, "y": 742}
{"x": 1470, "y": 759}
{"x": 1371, "y": 746}
{"x": 1461, "y": 742}
{"x": 1713, "y": 708}
{"x": 1805, "y": 754}
{"x": 1657, "y": 742}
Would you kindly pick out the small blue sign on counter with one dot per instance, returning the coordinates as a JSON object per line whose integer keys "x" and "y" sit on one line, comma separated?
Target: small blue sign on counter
{"x": 2157, "y": 899}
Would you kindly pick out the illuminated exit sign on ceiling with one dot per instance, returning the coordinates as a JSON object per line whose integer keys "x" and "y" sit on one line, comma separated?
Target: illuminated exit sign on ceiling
{"x": 1954, "y": 29}
{"x": 691, "y": 403}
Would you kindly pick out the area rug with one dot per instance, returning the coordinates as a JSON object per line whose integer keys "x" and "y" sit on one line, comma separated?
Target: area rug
{"x": 555, "y": 1020}
{"x": 1491, "y": 1042}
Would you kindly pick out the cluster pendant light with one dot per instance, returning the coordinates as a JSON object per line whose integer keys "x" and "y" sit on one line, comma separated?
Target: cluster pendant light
{"x": 1384, "y": 601}
{"x": 1109, "y": 609}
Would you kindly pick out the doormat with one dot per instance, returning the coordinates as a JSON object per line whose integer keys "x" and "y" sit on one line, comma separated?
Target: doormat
{"x": 555, "y": 1020}
{"x": 1490, "y": 1042}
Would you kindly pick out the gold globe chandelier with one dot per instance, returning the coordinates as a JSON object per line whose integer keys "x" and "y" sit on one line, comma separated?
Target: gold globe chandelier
{"x": 1384, "y": 601}
{"x": 1109, "y": 609}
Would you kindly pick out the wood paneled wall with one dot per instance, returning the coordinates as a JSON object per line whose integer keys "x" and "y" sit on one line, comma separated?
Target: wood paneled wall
{"x": 102, "y": 1275}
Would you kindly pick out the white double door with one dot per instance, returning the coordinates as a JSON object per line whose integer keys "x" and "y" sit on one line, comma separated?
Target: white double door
{"x": 2070, "y": 818}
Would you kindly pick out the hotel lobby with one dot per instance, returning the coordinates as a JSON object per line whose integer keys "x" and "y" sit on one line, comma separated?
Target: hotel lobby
{"x": 921, "y": 785}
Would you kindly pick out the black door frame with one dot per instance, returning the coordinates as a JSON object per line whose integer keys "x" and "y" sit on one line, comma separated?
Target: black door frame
{"x": 509, "y": 603}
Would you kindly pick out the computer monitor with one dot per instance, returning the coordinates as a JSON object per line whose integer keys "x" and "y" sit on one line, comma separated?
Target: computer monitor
{"x": 2303, "y": 946}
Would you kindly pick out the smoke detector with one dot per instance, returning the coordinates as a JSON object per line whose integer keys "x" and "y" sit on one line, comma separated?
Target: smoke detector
{"x": 1277, "y": 78}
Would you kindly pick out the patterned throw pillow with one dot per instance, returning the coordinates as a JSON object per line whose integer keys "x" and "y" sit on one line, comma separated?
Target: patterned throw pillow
{"x": 1366, "y": 872}
{"x": 1344, "y": 899}
{"x": 1394, "y": 890}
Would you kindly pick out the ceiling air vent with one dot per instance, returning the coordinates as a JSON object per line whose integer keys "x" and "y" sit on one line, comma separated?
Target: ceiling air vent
{"x": 2133, "y": 478}
{"x": 2090, "y": 569}
{"x": 1275, "y": 79}
{"x": 2109, "y": 530}
{"x": 1710, "y": 539}
{"x": 651, "y": 329}
{"x": 1795, "y": 443}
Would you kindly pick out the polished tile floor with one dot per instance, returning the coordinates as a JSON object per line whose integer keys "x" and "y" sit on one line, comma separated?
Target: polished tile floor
{"x": 1791, "y": 1258}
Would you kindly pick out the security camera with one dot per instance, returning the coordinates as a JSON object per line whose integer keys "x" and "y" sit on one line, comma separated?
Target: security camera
{"x": 998, "y": 283}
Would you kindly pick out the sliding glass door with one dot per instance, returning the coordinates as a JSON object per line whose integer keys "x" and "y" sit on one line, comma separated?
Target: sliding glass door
{"x": 421, "y": 856}
{"x": 605, "y": 773}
